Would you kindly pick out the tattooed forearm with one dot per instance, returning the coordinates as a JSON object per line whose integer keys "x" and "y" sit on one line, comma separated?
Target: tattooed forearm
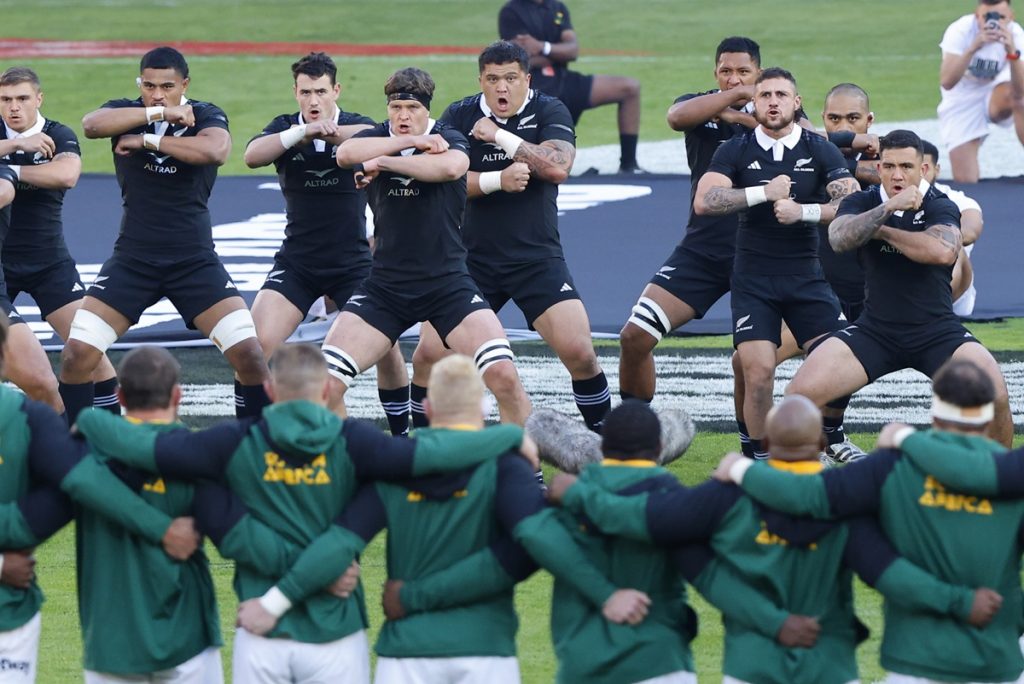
{"x": 64, "y": 155}
{"x": 838, "y": 189}
{"x": 719, "y": 201}
{"x": 850, "y": 232}
{"x": 949, "y": 236}
{"x": 550, "y": 156}
{"x": 867, "y": 173}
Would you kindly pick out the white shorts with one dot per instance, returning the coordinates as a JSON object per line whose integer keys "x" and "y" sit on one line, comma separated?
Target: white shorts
{"x": 19, "y": 650}
{"x": 963, "y": 119}
{"x": 894, "y": 678}
{"x": 677, "y": 677}
{"x": 467, "y": 670}
{"x": 204, "y": 668}
{"x": 258, "y": 660}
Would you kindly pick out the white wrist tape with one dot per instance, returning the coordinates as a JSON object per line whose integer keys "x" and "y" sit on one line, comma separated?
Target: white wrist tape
{"x": 810, "y": 213}
{"x": 755, "y": 195}
{"x": 154, "y": 114}
{"x": 275, "y": 602}
{"x": 490, "y": 181}
{"x": 16, "y": 168}
{"x": 151, "y": 141}
{"x": 509, "y": 142}
{"x": 902, "y": 434}
{"x": 739, "y": 469}
{"x": 293, "y": 136}
{"x": 547, "y": 48}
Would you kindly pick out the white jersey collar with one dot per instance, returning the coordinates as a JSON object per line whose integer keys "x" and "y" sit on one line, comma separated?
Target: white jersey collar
{"x": 788, "y": 141}
{"x": 922, "y": 186}
{"x": 37, "y": 127}
{"x": 487, "y": 110}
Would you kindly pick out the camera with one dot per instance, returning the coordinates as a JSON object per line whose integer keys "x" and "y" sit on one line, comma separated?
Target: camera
{"x": 992, "y": 19}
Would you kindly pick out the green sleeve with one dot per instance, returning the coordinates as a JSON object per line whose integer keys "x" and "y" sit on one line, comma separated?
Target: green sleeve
{"x": 93, "y": 485}
{"x": 728, "y": 591}
{"x": 967, "y": 462}
{"x": 110, "y": 434}
{"x": 472, "y": 579}
{"x": 323, "y": 561}
{"x": 621, "y": 516}
{"x": 442, "y": 451}
{"x": 787, "y": 492}
{"x": 14, "y": 531}
{"x": 911, "y": 588}
{"x": 259, "y": 547}
{"x": 551, "y": 545}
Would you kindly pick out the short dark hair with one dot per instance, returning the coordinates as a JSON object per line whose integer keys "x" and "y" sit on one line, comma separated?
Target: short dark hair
{"x": 929, "y": 149}
{"x": 776, "y": 72}
{"x": 504, "y": 52}
{"x": 164, "y": 58}
{"x": 849, "y": 89}
{"x": 147, "y": 376}
{"x": 631, "y": 429}
{"x": 963, "y": 383}
{"x": 739, "y": 44}
{"x": 315, "y": 65}
{"x": 992, "y": 2}
{"x": 900, "y": 139}
{"x": 410, "y": 80}
{"x": 19, "y": 74}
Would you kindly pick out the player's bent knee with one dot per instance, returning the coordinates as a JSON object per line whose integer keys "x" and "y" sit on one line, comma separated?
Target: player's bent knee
{"x": 90, "y": 329}
{"x": 649, "y": 317}
{"x": 502, "y": 379}
{"x": 340, "y": 365}
{"x": 426, "y": 355}
{"x": 232, "y": 329}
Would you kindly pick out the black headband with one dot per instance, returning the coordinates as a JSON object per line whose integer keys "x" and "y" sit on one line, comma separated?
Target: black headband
{"x": 422, "y": 99}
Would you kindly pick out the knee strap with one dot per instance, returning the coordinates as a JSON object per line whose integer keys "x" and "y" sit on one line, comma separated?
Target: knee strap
{"x": 340, "y": 364}
{"x": 650, "y": 318}
{"x": 89, "y": 328}
{"x": 233, "y": 328}
{"x": 491, "y": 352}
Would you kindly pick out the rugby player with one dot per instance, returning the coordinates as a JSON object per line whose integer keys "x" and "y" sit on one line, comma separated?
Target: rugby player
{"x": 777, "y": 273}
{"x": 521, "y": 146}
{"x": 325, "y": 251}
{"x": 166, "y": 153}
{"x": 414, "y": 170}
{"x": 46, "y": 156}
{"x": 908, "y": 237}
{"x": 544, "y": 29}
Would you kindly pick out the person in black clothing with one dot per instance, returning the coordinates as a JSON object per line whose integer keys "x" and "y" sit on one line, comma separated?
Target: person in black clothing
{"x": 325, "y": 251}
{"x": 47, "y": 158}
{"x": 544, "y": 29}
{"x": 908, "y": 237}
{"x": 521, "y": 146}
{"x": 783, "y": 181}
{"x": 166, "y": 153}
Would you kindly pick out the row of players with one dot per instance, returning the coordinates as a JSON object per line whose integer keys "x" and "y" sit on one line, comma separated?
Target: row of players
{"x": 418, "y": 175}
{"x": 295, "y": 496}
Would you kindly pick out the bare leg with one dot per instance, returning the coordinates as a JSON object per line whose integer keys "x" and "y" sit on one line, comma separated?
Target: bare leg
{"x": 1001, "y": 428}
{"x": 29, "y": 368}
{"x": 637, "y": 376}
{"x": 964, "y": 162}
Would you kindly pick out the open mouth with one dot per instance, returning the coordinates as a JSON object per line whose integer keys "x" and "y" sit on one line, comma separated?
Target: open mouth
{"x": 314, "y": 113}
{"x": 502, "y": 103}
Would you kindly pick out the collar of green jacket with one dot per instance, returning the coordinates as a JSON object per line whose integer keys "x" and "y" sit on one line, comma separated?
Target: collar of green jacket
{"x": 301, "y": 427}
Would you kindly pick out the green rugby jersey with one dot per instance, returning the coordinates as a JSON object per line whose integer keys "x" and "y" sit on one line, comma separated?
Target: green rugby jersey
{"x": 958, "y": 537}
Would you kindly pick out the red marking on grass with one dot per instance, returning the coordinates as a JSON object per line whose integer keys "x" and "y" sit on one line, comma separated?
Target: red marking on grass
{"x": 21, "y": 48}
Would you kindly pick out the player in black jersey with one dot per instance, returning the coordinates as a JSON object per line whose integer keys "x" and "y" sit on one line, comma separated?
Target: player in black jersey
{"x": 166, "y": 153}
{"x": 325, "y": 251}
{"x": 697, "y": 273}
{"x": 521, "y": 146}
{"x": 544, "y": 29}
{"x": 47, "y": 158}
{"x": 777, "y": 274}
{"x": 908, "y": 237}
{"x": 414, "y": 172}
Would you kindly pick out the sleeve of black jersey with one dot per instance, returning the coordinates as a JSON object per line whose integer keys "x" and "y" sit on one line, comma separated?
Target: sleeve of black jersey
{"x": 378, "y": 131}
{"x": 685, "y": 516}
{"x": 52, "y": 453}
{"x": 509, "y": 23}
{"x": 46, "y": 510}
{"x": 7, "y": 174}
{"x": 278, "y": 125}
{"x": 726, "y": 158}
{"x": 456, "y": 140}
{"x": 518, "y": 496}
{"x": 855, "y": 203}
{"x": 557, "y": 123}
{"x": 354, "y": 119}
{"x": 856, "y": 489}
{"x": 188, "y": 455}
{"x": 941, "y": 211}
{"x": 209, "y": 116}
{"x": 64, "y": 140}
{"x": 121, "y": 103}
{"x": 449, "y": 117}
{"x": 566, "y": 24}
{"x": 831, "y": 159}
{"x": 377, "y": 456}
{"x": 365, "y": 515}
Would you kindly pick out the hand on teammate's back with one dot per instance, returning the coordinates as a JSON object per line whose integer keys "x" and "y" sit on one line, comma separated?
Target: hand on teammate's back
{"x": 181, "y": 539}
{"x": 985, "y": 606}
{"x": 254, "y": 618}
{"x": 798, "y": 631}
{"x": 626, "y": 606}
{"x": 347, "y": 583}
{"x": 721, "y": 472}
{"x": 559, "y": 484}
{"x": 19, "y": 569}
{"x": 391, "y": 600}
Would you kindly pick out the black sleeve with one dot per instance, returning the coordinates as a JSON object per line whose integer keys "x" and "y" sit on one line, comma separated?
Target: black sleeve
{"x": 378, "y": 131}
{"x": 52, "y": 452}
{"x": 46, "y": 509}
{"x": 832, "y": 160}
{"x": 354, "y": 119}
{"x": 869, "y": 553}
{"x": 278, "y": 125}
{"x": 377, "y": 456}
{"x": 692, "y": 559}
{"x": 856, "y": 489}
{"x": 725, "y": 160}
{"x": 205, "y": 454}
{"x": 365, "y": 515}
{"x": 216, "y": 509}
{"x": 121, "y": 103}
{"x": 7, "y": 174}
{"x": 941, "y": 211}
{"x": 680, "y": 515}
{"x": 566, "y": 24}
{"x": 209, "y": 116}
{"x": 1010, "y": 473}
{"x": 841, "y": 138}
{"x": 557, "y": 123}
{"x": 513, "y": 558}
{"x": 856, "y": 203}
{"x": 518, "y": 496}
{"x": 449, "y": 116}
{"x": 64, "y": 140}
{"x": 509, "y": 23}
{"x": 456, "y": 140}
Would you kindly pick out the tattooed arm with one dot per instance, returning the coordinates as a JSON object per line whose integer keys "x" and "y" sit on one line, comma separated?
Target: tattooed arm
{"x": 939, "y": 244}
{"x": 849, "y": 232}
{"x": 60, "y": 173}
{"x": 716, "y": 196}
{"x": 837, "y": 190}
{"x": 551, "y": 160}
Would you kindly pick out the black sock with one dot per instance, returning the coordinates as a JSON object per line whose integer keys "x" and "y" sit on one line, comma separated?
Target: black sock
{"x": 593, "y": 400}
{"x": 253, "y": 399}
{"x": 76, "y": 397}
{"x": 417, "y": 393}
{"x": 627, "y": 143}
{"x": 833, "y": 428}
{"x": 395, "y": 403}
{"x": 759, "y": 452}
{"x": 745, "y": 447}
{"x": 625, "y": 396}
{"x": 105, "y": 396}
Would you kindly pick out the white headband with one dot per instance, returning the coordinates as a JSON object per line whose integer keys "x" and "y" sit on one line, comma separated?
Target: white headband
{"x": 969, "y": 415}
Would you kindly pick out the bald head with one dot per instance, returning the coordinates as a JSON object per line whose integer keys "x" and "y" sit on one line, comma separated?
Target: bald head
{"x": 793, "y": 429}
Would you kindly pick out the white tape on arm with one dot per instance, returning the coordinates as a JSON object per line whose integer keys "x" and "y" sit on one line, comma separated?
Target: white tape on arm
{"x": 810, "y": 213}
{"x": 151, "y": 141}
{"x": 755, "y": 195}
{"x": 490, "y": 181}
{"x": 508, "y": 141}
{"x": 293, "y": 136}
{"x": 275, "y": 602}
{"x": 154, "y": 114}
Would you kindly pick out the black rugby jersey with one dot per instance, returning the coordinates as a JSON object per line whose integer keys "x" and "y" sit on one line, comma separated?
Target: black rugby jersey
{"x": 545, "y": 22}
{"x": 512, "y": 227}
{"x": 7, "y": 174}
{"x": 901, "y": 291}
{"x": 842, "y": 269}
{"x": 416, "y": 224}
{"x": 326, "y": 213}
{"x": 763, "y": 245}
{"x": 165, "y": 200}
{"x": 37, "y": 230}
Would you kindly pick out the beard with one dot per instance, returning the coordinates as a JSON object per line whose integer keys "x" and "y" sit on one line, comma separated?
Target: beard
{"x": 779, "y": 123}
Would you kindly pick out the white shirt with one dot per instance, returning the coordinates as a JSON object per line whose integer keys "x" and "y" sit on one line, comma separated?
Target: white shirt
{"x": 988, "y": 65}
{"x": 776, "y": 145}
